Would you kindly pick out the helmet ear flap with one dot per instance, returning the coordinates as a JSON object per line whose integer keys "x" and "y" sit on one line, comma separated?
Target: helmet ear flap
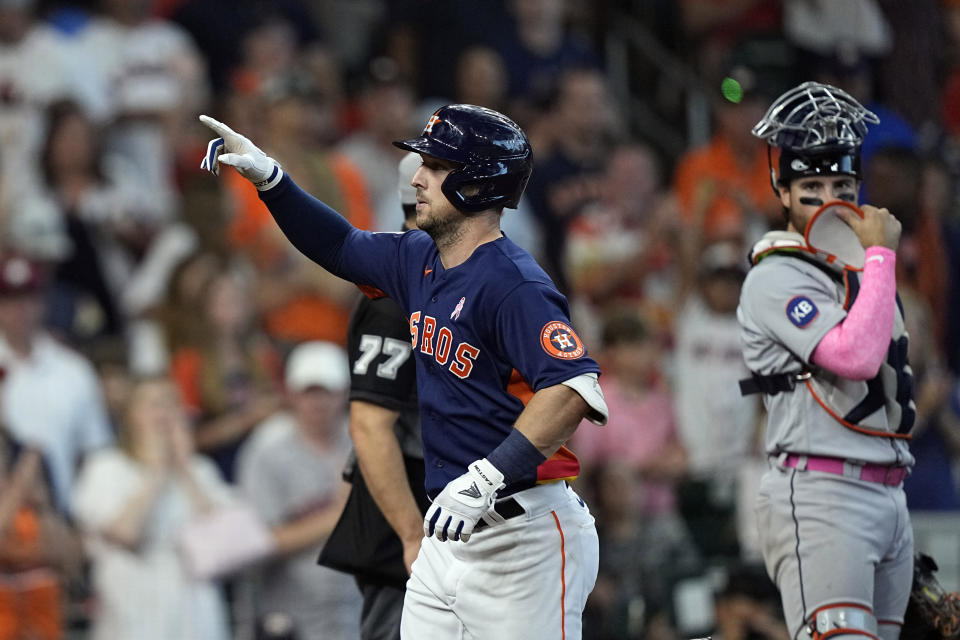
{"x": 455, "y": 188}
{"x": 473, "y": 188}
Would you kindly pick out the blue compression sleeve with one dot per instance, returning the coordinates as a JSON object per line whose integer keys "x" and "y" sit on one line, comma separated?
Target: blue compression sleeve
{"x": 515, "y": 457}
{"x": 316, "y": 230}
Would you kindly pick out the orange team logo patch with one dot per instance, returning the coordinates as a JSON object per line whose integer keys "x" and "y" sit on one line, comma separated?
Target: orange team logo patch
{"x": 560, "y": 341}
{"x": 432, "y": 121}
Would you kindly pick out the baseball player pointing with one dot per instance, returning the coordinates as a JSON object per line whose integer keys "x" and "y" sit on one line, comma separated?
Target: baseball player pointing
{"x": 503, "y": 380}
{"x": 822, "y": 332}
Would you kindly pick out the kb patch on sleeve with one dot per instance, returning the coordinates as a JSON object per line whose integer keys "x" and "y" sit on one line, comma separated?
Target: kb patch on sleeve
{"x": 559, "y": 340}
{"x": 801, "y": 311}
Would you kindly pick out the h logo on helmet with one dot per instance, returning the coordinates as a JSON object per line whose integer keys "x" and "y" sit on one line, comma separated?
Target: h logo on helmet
{"x": 432, "y": 121}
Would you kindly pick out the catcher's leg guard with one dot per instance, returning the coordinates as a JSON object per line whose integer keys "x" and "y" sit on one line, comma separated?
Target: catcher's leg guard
{"x": 843, "y": 620}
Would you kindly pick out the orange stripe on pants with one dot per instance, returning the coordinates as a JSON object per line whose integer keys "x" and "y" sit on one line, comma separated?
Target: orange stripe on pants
{"x": 563, "y": 578}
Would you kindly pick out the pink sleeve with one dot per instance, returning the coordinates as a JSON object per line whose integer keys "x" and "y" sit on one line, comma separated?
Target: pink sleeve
{"x": 857, "y": 347}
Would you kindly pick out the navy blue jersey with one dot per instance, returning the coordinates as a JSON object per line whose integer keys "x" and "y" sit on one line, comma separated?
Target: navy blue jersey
{"x": 486, "y": 334}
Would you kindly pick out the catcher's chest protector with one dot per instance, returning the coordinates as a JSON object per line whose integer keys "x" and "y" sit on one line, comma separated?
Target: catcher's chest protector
{"x": 882, "y": 406}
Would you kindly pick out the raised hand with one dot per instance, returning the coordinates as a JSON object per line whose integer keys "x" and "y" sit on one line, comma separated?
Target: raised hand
{"x": 877, "y": 228}
{"x": 237, "y": 151}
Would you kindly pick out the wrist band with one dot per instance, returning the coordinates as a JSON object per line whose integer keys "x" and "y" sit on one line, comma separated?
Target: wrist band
{"x": 274, "y": 178}
{"x": 516, "y": 457}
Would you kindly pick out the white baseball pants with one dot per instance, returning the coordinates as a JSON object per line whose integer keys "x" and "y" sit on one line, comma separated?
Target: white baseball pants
{"x": 528, "y": 577}
{"x": 831, "y": 539}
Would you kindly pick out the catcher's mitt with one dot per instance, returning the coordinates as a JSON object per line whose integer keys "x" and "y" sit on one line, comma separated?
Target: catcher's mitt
{"x": 932, "y": 614}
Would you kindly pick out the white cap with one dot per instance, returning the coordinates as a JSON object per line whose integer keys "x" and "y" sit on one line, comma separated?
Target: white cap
{"x": 723, "y": 256}
{"x": 408, "y": 166}
{"x": 36, "y": 227}
{"x": 317, "y": 364}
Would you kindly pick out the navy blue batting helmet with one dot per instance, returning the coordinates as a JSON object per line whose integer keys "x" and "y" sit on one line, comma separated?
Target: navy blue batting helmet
{"x": 492, "y": 153}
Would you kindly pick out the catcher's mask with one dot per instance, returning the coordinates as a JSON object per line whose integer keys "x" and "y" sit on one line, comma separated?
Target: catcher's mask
{"x": 818, "y": 129}
{"x": 492, "y": 153}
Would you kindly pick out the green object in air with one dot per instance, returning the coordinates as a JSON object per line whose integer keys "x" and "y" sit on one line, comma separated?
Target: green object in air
{"x": 731, "y": 90}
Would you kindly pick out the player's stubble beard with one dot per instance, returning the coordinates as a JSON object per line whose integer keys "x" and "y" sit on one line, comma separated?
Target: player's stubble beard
{"x": 445, "y": 227}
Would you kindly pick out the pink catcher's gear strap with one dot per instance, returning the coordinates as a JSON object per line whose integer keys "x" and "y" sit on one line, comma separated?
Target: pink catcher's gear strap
{"x": 857, "y": 346}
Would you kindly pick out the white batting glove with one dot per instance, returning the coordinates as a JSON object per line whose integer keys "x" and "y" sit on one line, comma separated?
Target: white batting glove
{"x": 457, "y": 509}
{"x": 236, "y": 150}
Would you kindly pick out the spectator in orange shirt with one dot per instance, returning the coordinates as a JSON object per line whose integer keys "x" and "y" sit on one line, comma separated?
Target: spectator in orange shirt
{"x": 725, "y": 185}
{"x": 30, "y": 595}
{"x": 38, "y": 550}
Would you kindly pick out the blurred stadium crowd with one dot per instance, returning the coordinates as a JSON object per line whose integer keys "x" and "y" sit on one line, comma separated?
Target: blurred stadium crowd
{"x": 148, "y": 312}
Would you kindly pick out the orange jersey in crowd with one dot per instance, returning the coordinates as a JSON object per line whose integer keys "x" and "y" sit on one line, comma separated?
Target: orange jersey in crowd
{"x": 305, "y": 317}
{"x": 725, "y": 181}
{"x": 30, "y": 599}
